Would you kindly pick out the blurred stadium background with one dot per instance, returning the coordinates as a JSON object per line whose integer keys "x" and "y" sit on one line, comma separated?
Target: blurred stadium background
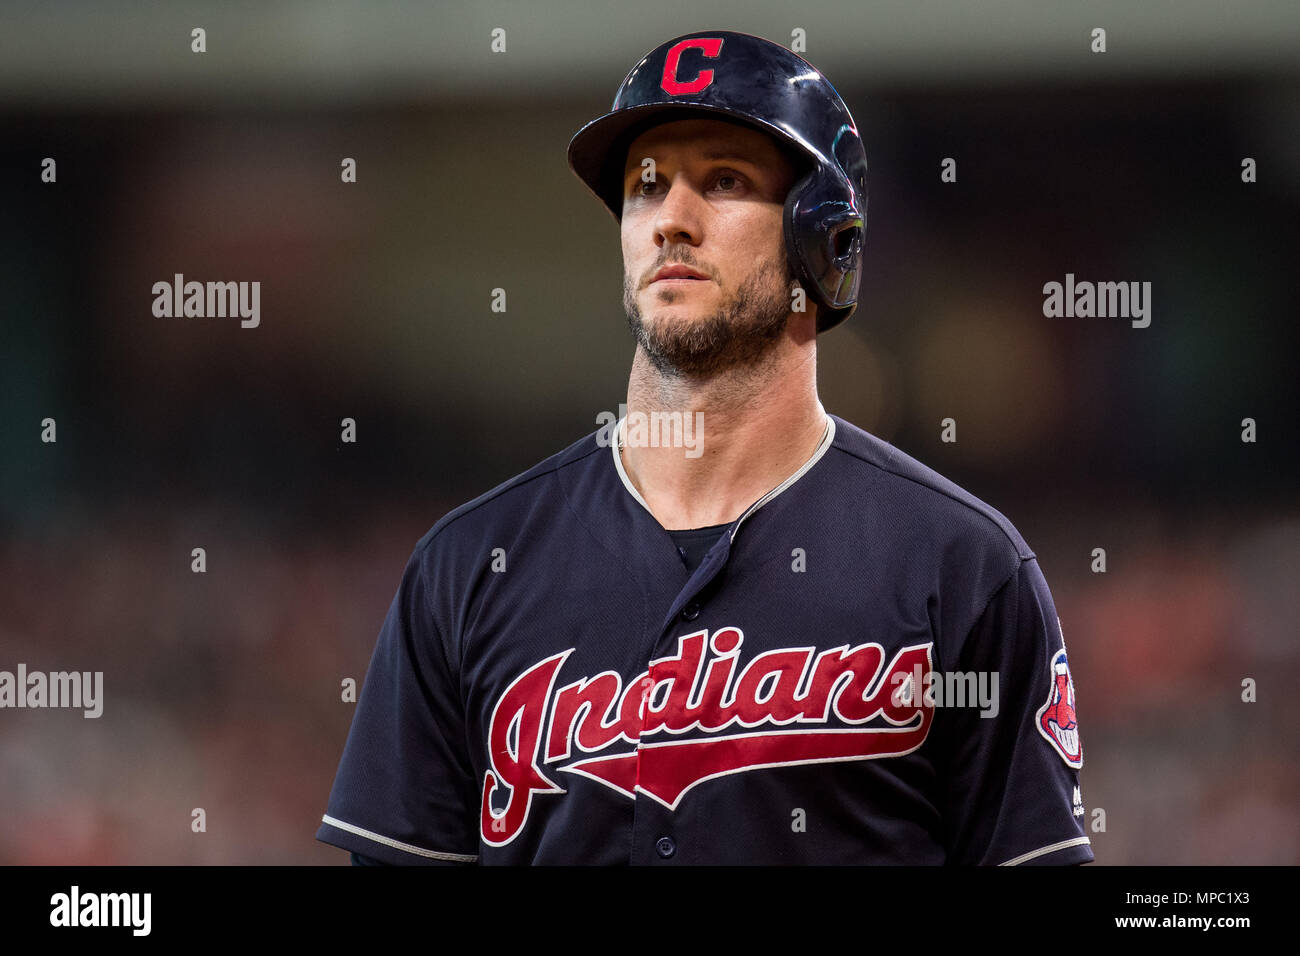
{"x": 222, "y": 689}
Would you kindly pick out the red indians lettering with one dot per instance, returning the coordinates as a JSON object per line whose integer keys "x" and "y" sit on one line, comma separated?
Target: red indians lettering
{"x": 709, "y": 46}
{"x": 820, "y": 698}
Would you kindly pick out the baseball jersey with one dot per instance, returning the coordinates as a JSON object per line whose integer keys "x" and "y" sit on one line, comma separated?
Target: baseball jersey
{"x": 865, "y": 667}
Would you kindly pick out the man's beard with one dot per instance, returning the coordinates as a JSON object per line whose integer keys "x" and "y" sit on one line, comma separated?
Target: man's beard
{"x": 744, "y": 329}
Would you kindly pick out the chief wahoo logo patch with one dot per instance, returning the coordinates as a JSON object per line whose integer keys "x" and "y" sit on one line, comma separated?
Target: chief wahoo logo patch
{"x": 1056, "y": 718}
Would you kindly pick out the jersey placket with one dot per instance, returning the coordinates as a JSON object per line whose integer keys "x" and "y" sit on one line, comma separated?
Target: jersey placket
{"x": 658, "y": 833}
{"x": 657, "y": 837}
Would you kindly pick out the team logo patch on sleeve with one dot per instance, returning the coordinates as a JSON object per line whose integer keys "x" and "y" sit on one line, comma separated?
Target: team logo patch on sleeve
{"x": 1056, "y": 718}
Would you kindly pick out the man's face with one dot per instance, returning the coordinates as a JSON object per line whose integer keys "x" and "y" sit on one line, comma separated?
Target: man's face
{"x": 715, "y": 207}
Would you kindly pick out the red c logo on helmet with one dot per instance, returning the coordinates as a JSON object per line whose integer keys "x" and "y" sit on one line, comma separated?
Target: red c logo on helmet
{"x": 710, "y": 46}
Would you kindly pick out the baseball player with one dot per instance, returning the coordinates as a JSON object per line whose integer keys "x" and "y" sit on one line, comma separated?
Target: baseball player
{"x": 746, "y": 644}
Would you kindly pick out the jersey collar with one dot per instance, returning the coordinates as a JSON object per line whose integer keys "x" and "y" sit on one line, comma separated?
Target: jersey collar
{"x": 827, "y": 437}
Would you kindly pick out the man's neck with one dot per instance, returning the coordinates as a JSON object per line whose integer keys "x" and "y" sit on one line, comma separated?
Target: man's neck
{"x": 742, "y": 434}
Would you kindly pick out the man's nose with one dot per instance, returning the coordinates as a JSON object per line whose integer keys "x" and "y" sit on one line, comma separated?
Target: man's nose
{"x": 679, "y": 216}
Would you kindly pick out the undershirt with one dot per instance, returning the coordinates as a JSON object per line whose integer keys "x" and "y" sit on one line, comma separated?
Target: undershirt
{"x": 694, "y": 543}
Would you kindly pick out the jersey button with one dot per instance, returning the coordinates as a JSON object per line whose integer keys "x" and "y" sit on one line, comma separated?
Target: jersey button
{"x": 665, "y": 847}
{"x": 691, "y": 611}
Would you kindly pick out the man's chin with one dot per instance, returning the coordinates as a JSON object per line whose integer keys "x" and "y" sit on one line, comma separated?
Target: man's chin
{"x": 674, "y": 322}
{"x": 703, "y": 348}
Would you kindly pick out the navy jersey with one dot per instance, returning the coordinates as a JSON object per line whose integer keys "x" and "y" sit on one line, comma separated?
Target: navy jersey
{"x": 865, "y": 668}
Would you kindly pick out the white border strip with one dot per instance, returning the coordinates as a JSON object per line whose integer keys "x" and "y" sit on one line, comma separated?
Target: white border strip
{"x": 1064, "y": 844}
{"x": 397, "y": 844}
{"x": 616, "y": 444}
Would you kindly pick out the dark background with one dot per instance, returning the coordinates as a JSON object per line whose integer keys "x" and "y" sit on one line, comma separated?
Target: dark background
{"x": 223, "y": 689}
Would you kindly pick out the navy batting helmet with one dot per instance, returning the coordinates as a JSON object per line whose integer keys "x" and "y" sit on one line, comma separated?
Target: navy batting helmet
{"x": 764, "y": 85}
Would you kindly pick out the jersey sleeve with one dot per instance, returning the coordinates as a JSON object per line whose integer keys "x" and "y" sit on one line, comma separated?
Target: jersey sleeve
{"x": 1012, "y": 794}
{"x": 404, "y": 792}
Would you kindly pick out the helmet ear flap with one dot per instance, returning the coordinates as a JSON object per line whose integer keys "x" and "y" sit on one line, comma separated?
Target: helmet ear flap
{"x": 845, "y": 242}
{"x": 843, "y": 255}
{"x": 824, "y": 237}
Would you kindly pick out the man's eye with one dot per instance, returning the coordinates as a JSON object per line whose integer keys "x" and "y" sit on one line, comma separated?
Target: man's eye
{"x": 724, "y": 182}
